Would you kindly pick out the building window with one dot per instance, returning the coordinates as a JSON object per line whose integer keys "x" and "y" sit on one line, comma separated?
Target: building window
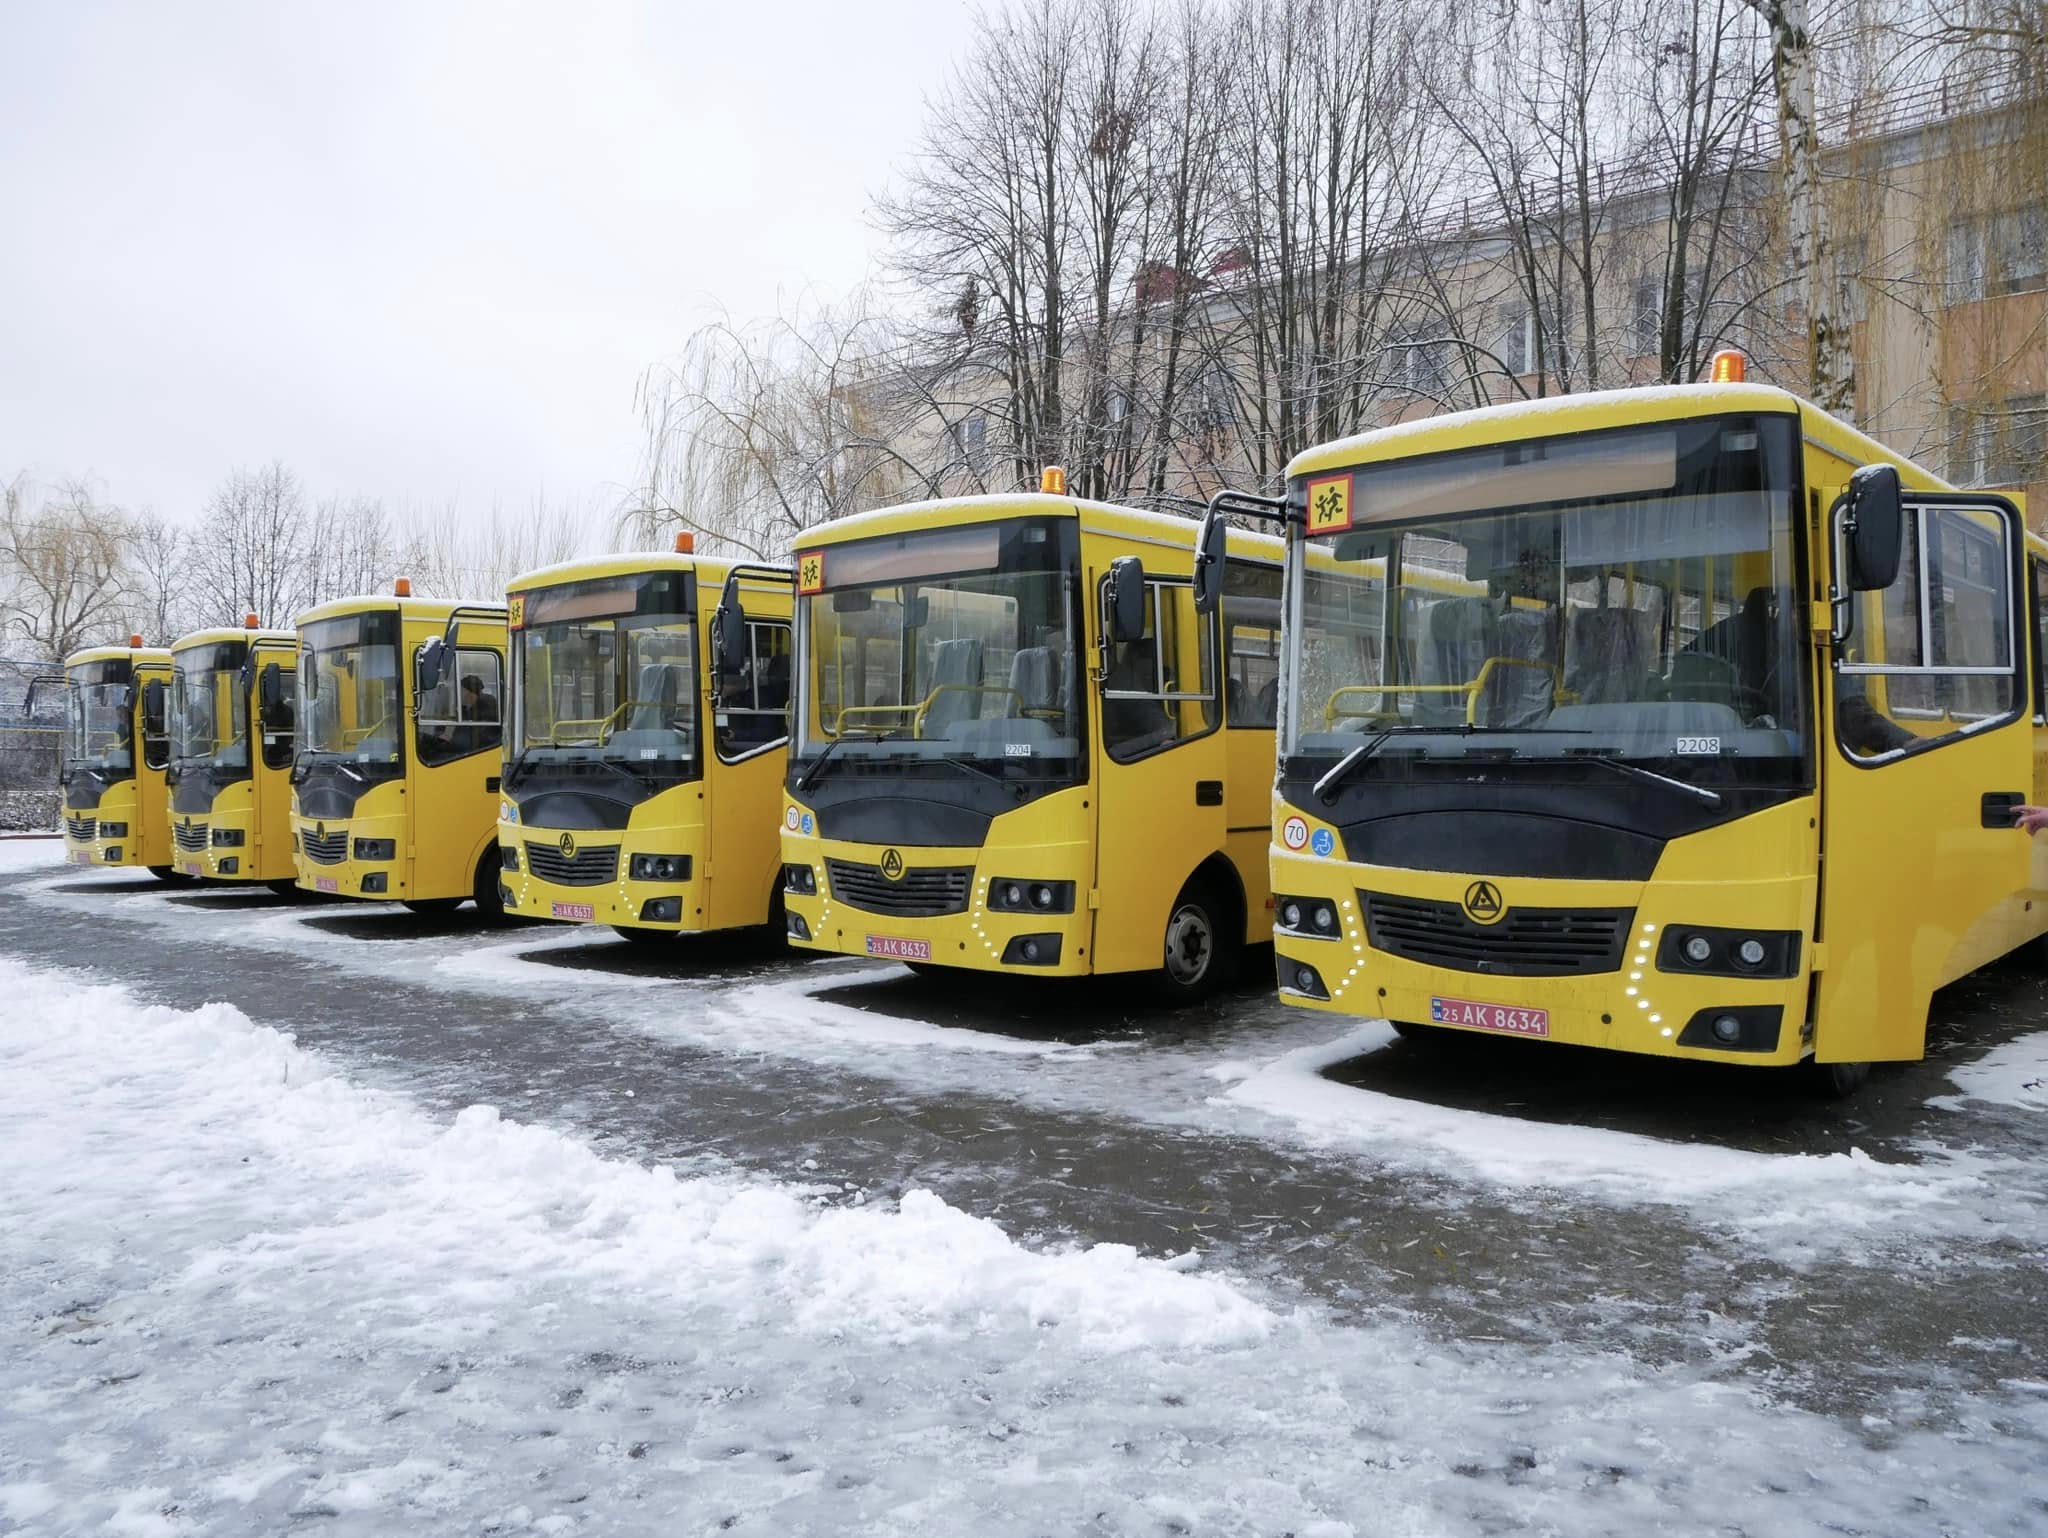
{"x": 2002, "y": 444}
{"x": 1419, "y": 360}
{"x": 2001, "y": 253}
{"x": 1516, "y": 344}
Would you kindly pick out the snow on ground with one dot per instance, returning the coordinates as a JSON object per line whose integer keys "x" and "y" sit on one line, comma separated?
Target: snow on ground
{"x": 2013, "y": 1074}
{"x": 238, "y": 1290}
{"x": 1797, "y": 1208}
{"x": 26, "y": 851}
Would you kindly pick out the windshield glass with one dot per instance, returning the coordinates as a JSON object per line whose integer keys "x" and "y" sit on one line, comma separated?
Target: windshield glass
{"x": 350, "y": 704}
{"x": 99, "y": 722}
{"x": 607, "y": 671}
{"x": 952, "y": 644}
{"x": 210, "y": 708}
{"x": 1630, "y": 594}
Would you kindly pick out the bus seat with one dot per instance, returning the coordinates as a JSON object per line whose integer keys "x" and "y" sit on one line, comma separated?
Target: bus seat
{"x": 1266, "y": 709}
{"x": 773, "y": 693}
{"x": 1518, "y": 696}
{"x": 1034, "y": 680}
{"x": 957, "y": 661}
{"x": 655, "y": 697}
{"x": 1131, "y": 727}
{"x": 1605, "y": 652}
{"x": 1460, "y": 641}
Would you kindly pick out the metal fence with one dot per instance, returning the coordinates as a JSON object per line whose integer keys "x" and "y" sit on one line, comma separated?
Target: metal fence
{"x": 31, "y": 744}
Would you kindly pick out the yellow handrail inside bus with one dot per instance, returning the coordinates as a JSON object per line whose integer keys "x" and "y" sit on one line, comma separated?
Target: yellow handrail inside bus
{"x": 1472, "y": 690}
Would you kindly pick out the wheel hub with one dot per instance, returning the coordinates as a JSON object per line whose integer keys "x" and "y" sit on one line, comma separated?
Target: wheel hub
{"x": 1189, "y": 945}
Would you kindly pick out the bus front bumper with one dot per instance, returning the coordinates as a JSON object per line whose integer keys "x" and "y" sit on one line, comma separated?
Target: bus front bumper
{"x": 1641, "y": 997}
{"x": 362, "y": 857}
{"x": 629, "y": 877}
{"x": 1019, "y": 910}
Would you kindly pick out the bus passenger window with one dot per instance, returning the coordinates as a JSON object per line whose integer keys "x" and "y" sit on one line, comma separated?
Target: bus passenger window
{"x": 1251, "y": 645}
{"x": 460, "y": 715}
{"x": 1160, "y": 690}
{"x": 1931, "y": 655}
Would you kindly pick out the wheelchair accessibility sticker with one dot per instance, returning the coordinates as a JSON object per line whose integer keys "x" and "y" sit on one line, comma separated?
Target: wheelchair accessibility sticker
{"x": 1323, "y": 842}
{"x": 807, "y": 823}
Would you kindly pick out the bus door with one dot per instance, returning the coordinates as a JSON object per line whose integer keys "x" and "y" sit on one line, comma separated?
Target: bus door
{"x": 1162, "y": 768}
{"x": 456, "y": 746}
{"x": 1926, "y": 748}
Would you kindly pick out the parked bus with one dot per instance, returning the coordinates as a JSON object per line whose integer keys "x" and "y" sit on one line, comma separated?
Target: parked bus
{"x": 115, "y": 752}
{"x": 230, "y": 766}
{"x": 1018, "y": 748}
{"x": 396, "y": 769}
{"x": 643, "y": 776}
{"x": 1719, "y": 765}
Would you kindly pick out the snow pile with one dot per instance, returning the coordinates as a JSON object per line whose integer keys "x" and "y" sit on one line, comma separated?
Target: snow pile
{"x": 240, "y": 1293}
{"x": 2013, "y": 1074}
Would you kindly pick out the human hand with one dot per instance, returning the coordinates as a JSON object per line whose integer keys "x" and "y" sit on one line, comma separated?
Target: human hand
{"x": 2030, "y": 819}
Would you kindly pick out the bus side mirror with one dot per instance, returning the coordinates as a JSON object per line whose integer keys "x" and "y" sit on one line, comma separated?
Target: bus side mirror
{"x": 153, "y": 708}
{"x": 309, "y": 676}
{"x": 1126, "y": 599}
{"x": 1875, "y": 521}
{"x": 729, "y": 632}
{"x": 1209, "y": 551}
{"x": 430, "y": 665}
{"x": 270, "y": 688}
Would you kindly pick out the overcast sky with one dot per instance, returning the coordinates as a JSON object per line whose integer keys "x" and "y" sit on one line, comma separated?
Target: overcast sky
{"x": 416, "y": 251}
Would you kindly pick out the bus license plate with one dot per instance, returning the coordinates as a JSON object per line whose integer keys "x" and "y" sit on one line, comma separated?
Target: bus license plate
{"x": 1490, "y": 1017}
{"x": 896, "y": 949}
{"x": 326, "y": 884}
{"x": 582, "y": 912}
{"x": 81, "y": 857}
{"x": 194, "y": 868}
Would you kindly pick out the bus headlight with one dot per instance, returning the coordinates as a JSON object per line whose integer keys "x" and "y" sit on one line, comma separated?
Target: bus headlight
{"x": 1729, "y": 952}
{"x": 229, "y": 838}
{"x": 508, "y": 857}
{"x": 1313, "y": 918}
{"x": 800, "y": 881}
{"x": 659, "y": 867}
{"x": 376, "y": 849}
{"x": 113, "y": 830}
{"x": 1012, "y": 894}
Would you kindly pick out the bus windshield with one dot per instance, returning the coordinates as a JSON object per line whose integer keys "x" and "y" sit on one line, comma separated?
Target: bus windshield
{"x": 99, "y": 726}
{"x": 607, "y": 671}
{"x": 210, "y": 709}
{"x": 351, "y": 705}
{"x": 1625, "y": 595}
{"x": 949, "y": 645}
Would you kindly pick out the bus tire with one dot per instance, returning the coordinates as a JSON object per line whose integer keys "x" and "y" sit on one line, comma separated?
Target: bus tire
{"x": 1199, "y": 951}
{"x": 483, "y": 891}
{"x": 1836, "y": 1081}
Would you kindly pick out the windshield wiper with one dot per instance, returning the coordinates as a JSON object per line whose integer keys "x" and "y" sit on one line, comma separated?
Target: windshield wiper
{"x": 811, "y": 772}
{"x": 1323, "y": 788}
{"x": 994, "y": 779}
{"x": 1638, "y": 772}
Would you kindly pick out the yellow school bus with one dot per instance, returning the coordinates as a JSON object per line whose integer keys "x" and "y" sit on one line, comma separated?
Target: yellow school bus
{"x": 229, "y": 776}
{"x": 643, "y": 772}
{"x": 1715, "y": 758}
{"x": 115, "y": 751}
{"x": 396, "y": 768}
{"x": 1019, "y": 749}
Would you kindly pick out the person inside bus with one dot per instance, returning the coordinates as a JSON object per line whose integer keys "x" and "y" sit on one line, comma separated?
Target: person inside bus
{"x": 478, "y": 703}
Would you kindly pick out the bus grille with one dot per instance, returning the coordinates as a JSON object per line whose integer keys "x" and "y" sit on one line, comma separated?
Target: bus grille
{"x": 84, "y": 829}
{"x": 191, "y": 836}
{"x": 328, "y": 849}
{"x": 592, "y": 865}
{"x": 923, "y": 893}
{"x": 1526, "y": 942}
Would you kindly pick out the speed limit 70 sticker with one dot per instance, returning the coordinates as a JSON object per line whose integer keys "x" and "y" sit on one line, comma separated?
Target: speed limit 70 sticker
{"x": 1294, "y": 833}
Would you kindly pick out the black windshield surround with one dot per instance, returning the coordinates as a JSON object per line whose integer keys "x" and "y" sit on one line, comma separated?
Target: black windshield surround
{"x": 203, "y": 762}
{"x": 329, "y": 775}
{"x": 99, "y": 734}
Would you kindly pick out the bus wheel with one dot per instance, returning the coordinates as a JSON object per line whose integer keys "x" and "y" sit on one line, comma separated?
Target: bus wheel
{"x": 1836, "y": 1081}
{"x": 490, "y": 902}
{"x": 1199, "y": 952}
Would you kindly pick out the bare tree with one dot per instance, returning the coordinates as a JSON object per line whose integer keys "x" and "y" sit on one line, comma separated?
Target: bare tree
{"x": 159, "y": 578}
{"x": 251, "y": 553}
{"x": 63, "y": 558}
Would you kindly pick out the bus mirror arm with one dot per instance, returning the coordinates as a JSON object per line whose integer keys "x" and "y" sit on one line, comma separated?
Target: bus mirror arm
{"x": 1869, "y": 528}
{"x": 1124, "y": 597}
{"x": 270, "y": 688}
{"x": 729, "y": 632}
{"x": 431, "y": 663}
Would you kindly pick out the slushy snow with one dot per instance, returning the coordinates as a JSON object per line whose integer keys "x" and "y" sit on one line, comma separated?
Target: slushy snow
{"x": 239, "y": 1291}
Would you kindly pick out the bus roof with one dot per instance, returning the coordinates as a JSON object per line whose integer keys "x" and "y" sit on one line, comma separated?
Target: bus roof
{"x": 1104, "y": 517}
{"x": 220, "y": 633}
{"x": 710, "y": 569}
{"x": 408, "y": 608}
{"x": 141, "y": 656}
{"x": 1593, "y": 409}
